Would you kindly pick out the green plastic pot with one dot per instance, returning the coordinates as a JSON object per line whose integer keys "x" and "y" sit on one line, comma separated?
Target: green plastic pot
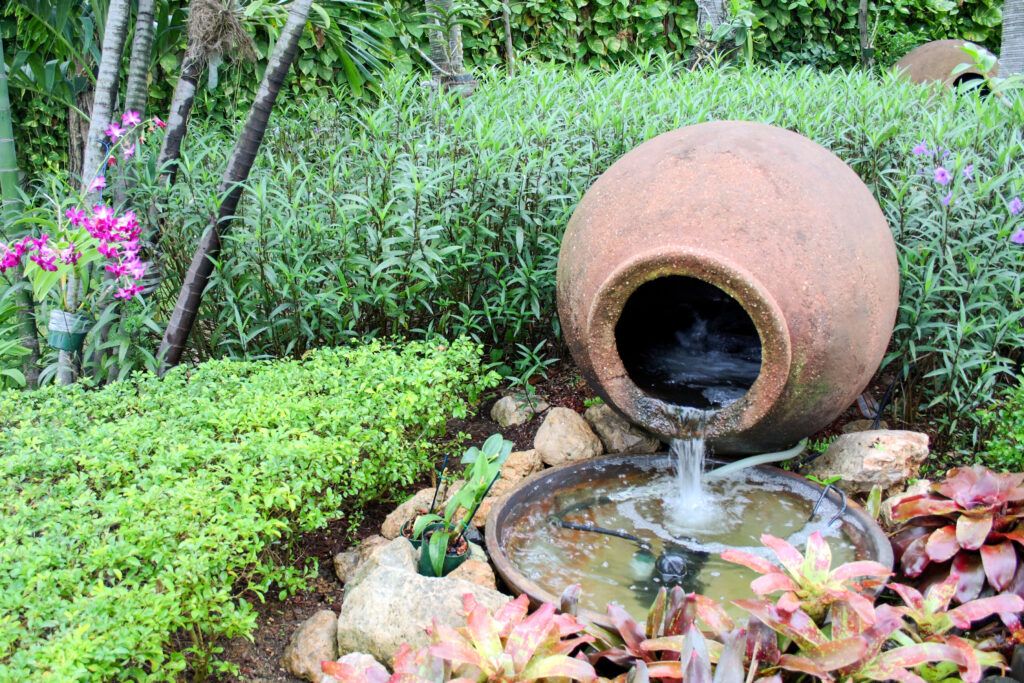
{"x": 451, "y": 560}
{"x": 66, "y": 331}
{"x": 407, "y": 527}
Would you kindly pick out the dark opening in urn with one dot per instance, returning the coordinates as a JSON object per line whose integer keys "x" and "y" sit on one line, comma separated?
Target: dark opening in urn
{"x": 687, "y": 342}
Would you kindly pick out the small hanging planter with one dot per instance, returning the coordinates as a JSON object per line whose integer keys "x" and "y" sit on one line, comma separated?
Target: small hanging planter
{"x": 66, "y": 331}
{"x": 453, "y": 558}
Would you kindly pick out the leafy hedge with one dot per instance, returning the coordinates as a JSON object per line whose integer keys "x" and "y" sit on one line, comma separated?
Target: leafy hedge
{"x": 133, "y": 517}
{"x": 420, "y": 215}
{"x": 1005, "y": 450}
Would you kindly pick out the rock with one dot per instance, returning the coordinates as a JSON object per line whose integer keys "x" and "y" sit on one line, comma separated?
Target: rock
{"x": 420, "y": 502}
{"x": 477, "y": 552}
{"x": 400, "y": 556}
{"x": 864, "y": 459}
{"x": 315, "y": 641}
{"x": 617, "y": 434}
{"x": 345, "y": 563}
{"x": 476, "y": 572}
{"x": 516, "y": 409}
{"x": 517, "y": 467}
{"x": 369, "y": 544}
{"x": 863, "y": 426}
{"x": 392, "y": 604}
{"x": 566, "y": 437}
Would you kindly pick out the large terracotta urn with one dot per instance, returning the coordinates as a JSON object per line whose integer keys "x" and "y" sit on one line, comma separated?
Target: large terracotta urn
{"x": 733, "y": 267}
{"x": 934, "y": 62}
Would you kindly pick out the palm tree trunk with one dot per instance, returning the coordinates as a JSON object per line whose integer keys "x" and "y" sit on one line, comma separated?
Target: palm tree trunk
{"x": 236, "y": 173}
{"x": 710, "y": 12}
{"x": 177, "y": 120}
{"x": 1011, "y": 57}
{"x": 95, "y": 150}
{"x": 867, "y": 59}
{"x": 445, "y": 43}
{"x": 11, "y": 206}
{"x": 137, "y": 88}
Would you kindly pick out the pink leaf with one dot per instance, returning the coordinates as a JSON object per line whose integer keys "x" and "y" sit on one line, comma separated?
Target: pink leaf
{"x": 1000, "y": 563}
{"x": 749, "y": 560}
{"x": 527, "y": 636}
{"x": 795, "y": 625}
{"x": 971, "y": 532}
{"x": 670, "y": 670}
{"x": 921, "y": 504}
{"x": 852, "y": 570}
{"x": 456, "y": 652}
{"x": 626, "y": 625}
{"x": 942, "y": 544}
{"x": 915, "y": 655}
{"x": 910, "y": 596}
{"x": 818, "y": 556}
{"x": 981, "y": 608}
{"x": 712, "y": 615}
{"x": 915, "y": 559}
{"x": 968, "y": 659}
{"x": 772, "y": 583}
{"x": 939, "y": 595}
{"x": 971, "y": 576}
{"x": 789, "y": 556}
{"x": 804, "y": 665}
{"x": 838, "y": 654}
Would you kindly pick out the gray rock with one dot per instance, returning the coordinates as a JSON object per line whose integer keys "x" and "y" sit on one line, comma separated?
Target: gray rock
{"x": 476, "y": 572}
{"x": 617, "y": 434}
{"x": 315, "y": 641}
{"x": 516, "y": 409}
{"x": 392, "y": 604}
{"x": 345, "y": 564}
{"x": 876, "y": 457}
{"x": 397, "y": 554}
{"x": 566, "y": 437}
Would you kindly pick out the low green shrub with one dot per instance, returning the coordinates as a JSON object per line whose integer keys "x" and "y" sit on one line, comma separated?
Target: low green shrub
{"x": 139, "y": 520}
{"x": 1005, "y": 449}
{"x": 422, "y": 214}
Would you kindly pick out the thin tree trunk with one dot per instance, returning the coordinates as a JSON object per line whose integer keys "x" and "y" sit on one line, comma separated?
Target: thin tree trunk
{"x": 510, "y": 54}
{"x": 867, "y": 59}
{"x": 1011, "y": 57}
{"x": 11, "y": 206}
{"x": 236, "y": 173}
{"x": 95, "y": 149}
{"x": 710, "y": 12}
{"x": 177, "y": 120}
{"x": 445, "y": 43}
{"x": 137, "y": 88}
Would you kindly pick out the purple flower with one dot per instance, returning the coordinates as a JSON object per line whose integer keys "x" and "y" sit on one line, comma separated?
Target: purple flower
{"x": 942, "y": 176}
{"x": 947, "y": 199}
{"x": 76, "y": 216}
{"x": 969, "y": 171}
{"x": 130, "y": 118}
{"x": 128, "y": 152}
{"x": 1018, "y": 237}
{"x": 9, "y": 258}
{"x": 128, "y": 292}
{"x": 1016, "y": 206}
{"x": 98, "y": 183}
{"x": 45, "y": 258}
{"x": 69, "y": 256}
{"x": 114, "y": 131}
{"x": 107, "y": 250}
{"x": 921, "y": 149}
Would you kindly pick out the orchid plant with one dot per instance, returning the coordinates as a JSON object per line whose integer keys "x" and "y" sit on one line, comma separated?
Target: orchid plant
{"x": 970, "y": 525}
{"x": 807, "y": 581}
{"x": 80, "y": 237}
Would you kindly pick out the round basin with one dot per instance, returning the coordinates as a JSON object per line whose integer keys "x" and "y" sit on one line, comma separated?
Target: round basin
{"x": 620, "y": 527}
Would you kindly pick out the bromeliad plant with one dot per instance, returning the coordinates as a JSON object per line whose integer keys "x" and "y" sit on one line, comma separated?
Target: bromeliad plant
{"x": 807, "y": 581}
{"x": 970, "y": 525}
{"x": 443, "y": 534}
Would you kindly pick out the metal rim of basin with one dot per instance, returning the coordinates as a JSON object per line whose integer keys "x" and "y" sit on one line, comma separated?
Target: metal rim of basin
{"x": 865, "y": 534}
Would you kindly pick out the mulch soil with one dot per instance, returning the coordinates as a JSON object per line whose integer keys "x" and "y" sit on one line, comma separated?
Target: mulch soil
{"x": 259, "y": 660}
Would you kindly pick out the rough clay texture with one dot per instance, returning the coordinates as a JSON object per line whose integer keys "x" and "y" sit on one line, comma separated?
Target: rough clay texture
{"x": 314, "y": 641}
{"x": 390, "y": 604}
{"x": 509, "y": 411}
{"x": 878, "y": 457}
{"x": 566, "y": 437}
{"x": 617, "y": 434}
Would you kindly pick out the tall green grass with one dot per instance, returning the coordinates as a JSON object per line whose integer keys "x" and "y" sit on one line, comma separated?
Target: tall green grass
{"x": 423, "y": 213}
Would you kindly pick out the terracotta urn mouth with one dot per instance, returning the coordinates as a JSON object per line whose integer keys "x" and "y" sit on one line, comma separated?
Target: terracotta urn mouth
{"x": 640, "y": 401}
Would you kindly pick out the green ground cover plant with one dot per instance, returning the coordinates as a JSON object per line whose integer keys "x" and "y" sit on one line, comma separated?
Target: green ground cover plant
{"x": 421, "y": 214}
{"x": 139, "y": 521}
{"x": 1005, "y": 450}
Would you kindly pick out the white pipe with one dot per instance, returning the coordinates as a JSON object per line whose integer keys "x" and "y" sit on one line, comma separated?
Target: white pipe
{"x": 753, "y": 460}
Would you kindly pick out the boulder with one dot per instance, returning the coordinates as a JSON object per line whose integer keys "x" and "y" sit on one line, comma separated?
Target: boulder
{"x": 391, "y": 604}
{"x": 516, "y": 409}
{"x": 345, "y": 564}
{"x": 315, "y": 641}
{"x": 887, "y": 458}
{"x": 420, "y": 502}
{"x": 566, "y": 437}
{"x": 617, "y": 434}
{"x": 476, "y": 572}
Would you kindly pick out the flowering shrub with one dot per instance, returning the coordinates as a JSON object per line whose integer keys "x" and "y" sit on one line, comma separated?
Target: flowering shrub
{"x": 84, "y": 236}
{"x": 145, "y": 510}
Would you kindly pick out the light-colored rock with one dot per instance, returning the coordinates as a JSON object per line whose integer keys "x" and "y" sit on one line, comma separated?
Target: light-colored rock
{"x": 392, "y": 604}
{"x": 369, "y": 544}
{"x": 516, "y": 409}
{"x": 476, "y": 572}
{"x": 864, "y": 459}
{"x": 566, "y": 437}
{"x": 315, "y": 641}
{"x": 517, "y": 467}
{"x": 345, "y": 563}
{"x": 477, "y": 552}
{"x": 419, "y": 503}
{"x": 400, "y": 556}
{"x": 863, "y": 426}
{"x": 617, "y": 434}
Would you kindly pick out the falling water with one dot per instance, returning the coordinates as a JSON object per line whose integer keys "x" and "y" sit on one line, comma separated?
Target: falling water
{"x": 689, "y": 452}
